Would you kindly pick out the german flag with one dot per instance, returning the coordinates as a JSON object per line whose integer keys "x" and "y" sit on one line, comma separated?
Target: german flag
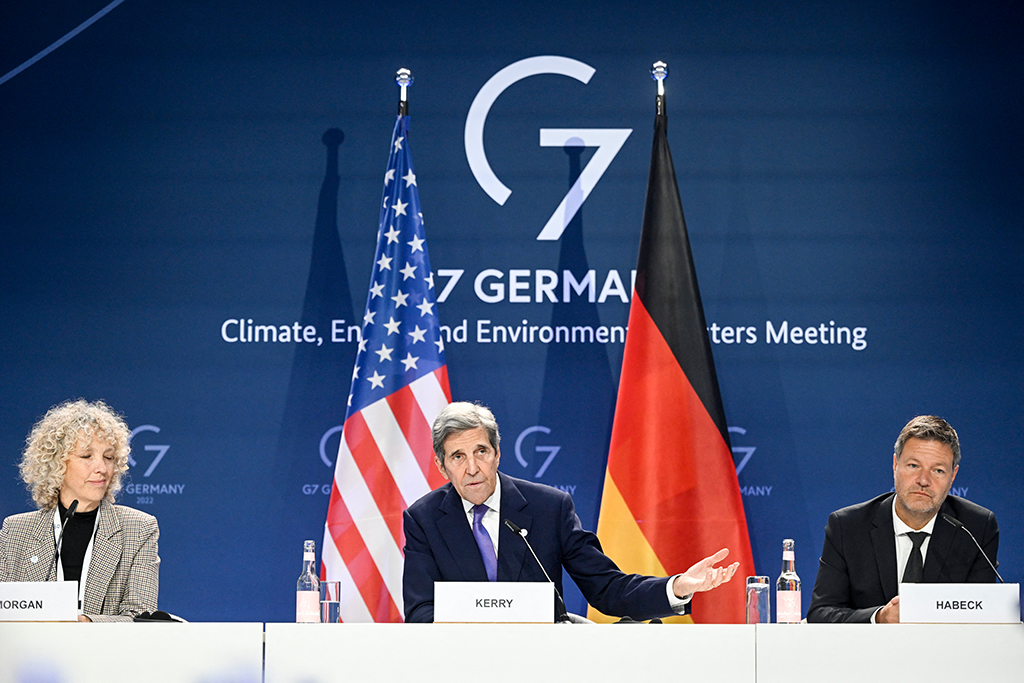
{"x": 671, "y": 496}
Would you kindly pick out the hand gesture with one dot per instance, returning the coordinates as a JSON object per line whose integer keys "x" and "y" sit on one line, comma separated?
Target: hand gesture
{"x": 704, "y": 576}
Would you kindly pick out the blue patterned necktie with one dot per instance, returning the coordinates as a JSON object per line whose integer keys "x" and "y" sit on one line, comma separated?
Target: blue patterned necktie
{"x": 483, "y": 541}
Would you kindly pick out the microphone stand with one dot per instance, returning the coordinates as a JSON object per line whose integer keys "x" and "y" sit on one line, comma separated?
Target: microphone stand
{"x": 960, "y": 525}
{"x": 563, "y": 614}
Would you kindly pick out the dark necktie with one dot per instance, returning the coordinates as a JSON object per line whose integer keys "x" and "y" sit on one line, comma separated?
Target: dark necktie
{"x": 915, "y": 565}
{"x": 483, "y": 541}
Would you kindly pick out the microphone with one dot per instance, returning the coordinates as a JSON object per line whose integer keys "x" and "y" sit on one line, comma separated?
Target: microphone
{"x": 563, "y": 614}
{"x": 960, "y": 525}
{"x": 60, "y": 539}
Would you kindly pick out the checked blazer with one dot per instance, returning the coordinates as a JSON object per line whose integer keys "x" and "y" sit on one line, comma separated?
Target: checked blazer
{"x": 124, "y": 572}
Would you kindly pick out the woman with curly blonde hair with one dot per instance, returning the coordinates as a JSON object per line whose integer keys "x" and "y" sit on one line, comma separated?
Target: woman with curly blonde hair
{"x": 73, "y": 462}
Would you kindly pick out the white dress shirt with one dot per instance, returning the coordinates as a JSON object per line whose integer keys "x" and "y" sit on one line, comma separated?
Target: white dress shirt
{"x": 904, "y": 545}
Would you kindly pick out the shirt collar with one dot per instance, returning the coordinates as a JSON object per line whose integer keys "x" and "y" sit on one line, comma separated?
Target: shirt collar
{"x": 493, "y": 503}
{"x": 901, "y": 528}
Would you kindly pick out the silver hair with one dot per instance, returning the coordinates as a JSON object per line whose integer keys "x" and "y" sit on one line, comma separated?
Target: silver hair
{"x": 461, "y": 416}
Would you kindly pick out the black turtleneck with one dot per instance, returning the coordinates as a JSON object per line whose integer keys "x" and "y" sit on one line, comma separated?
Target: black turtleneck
{"x": 77, "y": 535}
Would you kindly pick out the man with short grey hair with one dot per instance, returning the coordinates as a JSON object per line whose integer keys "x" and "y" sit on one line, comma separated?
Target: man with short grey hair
{"x": 899, "y": 537}
{"x": 457, "y": 533}
{"x": 462, "y": 416}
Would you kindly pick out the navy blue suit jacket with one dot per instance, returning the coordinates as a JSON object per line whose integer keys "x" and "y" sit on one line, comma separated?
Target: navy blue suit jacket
{"x": 439, "y": 546}
{"x": 857, "y": 571}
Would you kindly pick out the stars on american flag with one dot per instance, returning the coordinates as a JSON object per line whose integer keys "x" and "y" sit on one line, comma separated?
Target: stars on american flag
{"x": 401, "y": 336}
{"x": 384, "y": 352}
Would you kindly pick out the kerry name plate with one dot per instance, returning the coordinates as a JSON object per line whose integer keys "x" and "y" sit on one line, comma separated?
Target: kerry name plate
{"x": 502, "y": 602}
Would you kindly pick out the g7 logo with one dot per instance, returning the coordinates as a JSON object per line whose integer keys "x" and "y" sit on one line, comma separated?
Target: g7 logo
{"x": 160, "y": 450}
{"x": 323, "y": 443}
{"x": 747, "y": 451}
{"x": 607, "y": 140}
{"x": 552, "y": 451}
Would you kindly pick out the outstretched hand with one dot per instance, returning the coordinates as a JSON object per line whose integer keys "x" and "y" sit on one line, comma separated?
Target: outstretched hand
{"x": 704, "y": 576}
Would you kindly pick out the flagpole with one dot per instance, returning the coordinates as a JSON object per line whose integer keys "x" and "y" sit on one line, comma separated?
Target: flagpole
{"x": 404, "y": 79}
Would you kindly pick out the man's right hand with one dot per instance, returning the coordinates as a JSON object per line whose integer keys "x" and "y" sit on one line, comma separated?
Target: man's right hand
{"x": 890, "y": 614}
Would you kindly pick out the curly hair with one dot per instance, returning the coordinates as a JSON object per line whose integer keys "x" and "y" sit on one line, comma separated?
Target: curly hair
{"x": 51, "y": 441}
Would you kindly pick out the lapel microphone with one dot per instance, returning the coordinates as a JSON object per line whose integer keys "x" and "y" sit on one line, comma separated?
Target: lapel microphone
{"x": 960, "y": 525}
{"x": 60, "y": 538}
{"x": 563, "y": 614}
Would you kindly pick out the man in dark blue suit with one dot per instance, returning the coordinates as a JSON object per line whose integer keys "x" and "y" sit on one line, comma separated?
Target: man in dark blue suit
{"x": 872, "y": 547}
{"x": 457, "y": 533}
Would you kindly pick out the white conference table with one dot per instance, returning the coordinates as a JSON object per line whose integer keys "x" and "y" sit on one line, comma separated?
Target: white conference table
{"x": 508, "y": 653}
{"x": 497, "y": 653}
{"x": 111, "y": 652}
{"x": 672, "y": 652}
{"x": 861, "y": 653}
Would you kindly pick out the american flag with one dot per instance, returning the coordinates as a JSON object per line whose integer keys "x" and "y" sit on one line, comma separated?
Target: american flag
{"x": 399, "y": 385}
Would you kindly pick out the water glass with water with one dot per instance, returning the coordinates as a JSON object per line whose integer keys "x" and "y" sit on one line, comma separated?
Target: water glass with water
{"x": 759, "y": 600}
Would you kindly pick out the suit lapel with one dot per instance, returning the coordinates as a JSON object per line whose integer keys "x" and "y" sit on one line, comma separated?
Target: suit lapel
{"x": 106, "y": 553}
{"x": 939, "y": 546}
{"x": 512, "y": 551}
{"x": 41, "y": 546}
{"x": 458, "y": 536}
{"x": 883, "y": 541}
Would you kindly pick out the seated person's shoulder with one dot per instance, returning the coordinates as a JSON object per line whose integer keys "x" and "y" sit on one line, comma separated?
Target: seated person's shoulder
{"x": 863, "y": 511}
{"x": 134, "y": 518}
{"x": 963, "y": 508}
{"x": 429, "y": 500}
{"x": 541, "y": 494}
{"x": 22, "y": 520}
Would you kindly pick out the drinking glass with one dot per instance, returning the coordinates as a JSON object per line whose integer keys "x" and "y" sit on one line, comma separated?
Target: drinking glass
{"x": 330, "y": 602}
{"x": 759, "y": 600}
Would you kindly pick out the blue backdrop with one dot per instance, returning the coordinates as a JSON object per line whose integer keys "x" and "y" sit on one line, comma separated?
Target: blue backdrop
{"x": 166, "y": 184}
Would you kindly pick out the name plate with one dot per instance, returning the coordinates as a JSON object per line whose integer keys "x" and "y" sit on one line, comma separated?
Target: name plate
{"x": 39, "y": 601}
{"x": 960, "y": 603}
{"x": 502, "y": 602}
